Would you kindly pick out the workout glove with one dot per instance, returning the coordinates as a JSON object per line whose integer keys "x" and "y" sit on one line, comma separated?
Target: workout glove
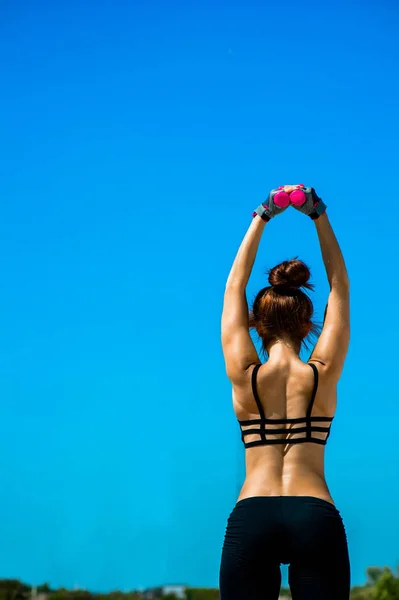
{"x": 308, "y": 202}
{"x": 277, "y": 202}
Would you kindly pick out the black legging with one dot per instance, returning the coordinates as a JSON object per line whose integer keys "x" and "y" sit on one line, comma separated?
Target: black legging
{"x": 305, "y": 532}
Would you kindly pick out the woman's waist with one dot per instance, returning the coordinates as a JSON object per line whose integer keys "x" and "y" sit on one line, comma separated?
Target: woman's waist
{"x": 274, "y": 459}
{"x": 286, "y": 480}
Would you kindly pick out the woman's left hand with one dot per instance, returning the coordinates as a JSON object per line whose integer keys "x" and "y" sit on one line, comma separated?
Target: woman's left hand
{"x": 269, "y": 208}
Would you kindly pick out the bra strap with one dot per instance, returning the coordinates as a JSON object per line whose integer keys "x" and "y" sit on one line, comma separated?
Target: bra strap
{"x": 315, "y": 386}
{"x": 258, "y": 402}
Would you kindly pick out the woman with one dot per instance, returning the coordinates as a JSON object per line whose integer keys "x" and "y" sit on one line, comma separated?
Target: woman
{"x": 285, "y": 513}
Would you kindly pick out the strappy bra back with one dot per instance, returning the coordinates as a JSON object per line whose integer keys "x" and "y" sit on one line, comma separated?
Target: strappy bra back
{"x": 294, "y": 431}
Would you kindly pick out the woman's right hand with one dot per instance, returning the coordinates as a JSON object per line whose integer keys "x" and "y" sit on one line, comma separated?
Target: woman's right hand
{"x": 307, "y": 202}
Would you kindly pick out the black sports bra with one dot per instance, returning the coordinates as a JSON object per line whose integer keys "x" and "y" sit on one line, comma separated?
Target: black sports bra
{"x": 303, "y": 427}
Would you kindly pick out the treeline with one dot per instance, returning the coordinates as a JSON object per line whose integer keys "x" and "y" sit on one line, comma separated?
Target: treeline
{"x": 381, "y": 584}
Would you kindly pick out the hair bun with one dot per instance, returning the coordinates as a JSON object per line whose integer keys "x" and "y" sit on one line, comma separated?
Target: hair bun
{"x": 290, "y": 274}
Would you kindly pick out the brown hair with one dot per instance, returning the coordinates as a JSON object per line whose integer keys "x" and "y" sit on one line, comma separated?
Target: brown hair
{"x": 283, "y": 310}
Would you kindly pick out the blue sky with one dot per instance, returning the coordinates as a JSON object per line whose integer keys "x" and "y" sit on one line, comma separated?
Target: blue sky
{"x": 135, "y": 142}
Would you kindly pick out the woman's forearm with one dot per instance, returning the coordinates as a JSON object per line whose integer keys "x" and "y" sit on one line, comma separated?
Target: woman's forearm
{"x": 244, "y": 261}
{"x": 331, "y": 252}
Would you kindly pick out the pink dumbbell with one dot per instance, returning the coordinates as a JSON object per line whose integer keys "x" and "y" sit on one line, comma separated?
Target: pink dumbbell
{"x": 281, "y": 199}
{"x": 298, "y": 197}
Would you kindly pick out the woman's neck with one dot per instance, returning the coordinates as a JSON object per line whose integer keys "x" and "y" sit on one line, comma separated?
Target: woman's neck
{"x": 283, "y": 348}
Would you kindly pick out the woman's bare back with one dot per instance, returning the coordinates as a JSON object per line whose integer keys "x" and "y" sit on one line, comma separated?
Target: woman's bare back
{"x": 284, "y": 386}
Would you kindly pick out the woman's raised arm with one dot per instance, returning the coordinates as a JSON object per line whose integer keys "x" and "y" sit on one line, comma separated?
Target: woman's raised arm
{"x": 238, "y": 348}
{"x": 332, "y": 346}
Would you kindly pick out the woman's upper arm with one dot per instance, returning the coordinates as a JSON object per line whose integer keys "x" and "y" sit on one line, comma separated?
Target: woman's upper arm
{"x": 238, "y": 348}
{"x": 332, "y": 345}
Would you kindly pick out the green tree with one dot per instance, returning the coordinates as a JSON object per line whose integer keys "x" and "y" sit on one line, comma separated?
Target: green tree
{"x": 60, "y": 594}
{"x": 387, "y": 586}
{"x": 44, "y": 589}
{"x": 202, "y": 594}
{"x": 374, "y": 574}
{"x": 13, "y": 589}
{"x": 364, "y": 592}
